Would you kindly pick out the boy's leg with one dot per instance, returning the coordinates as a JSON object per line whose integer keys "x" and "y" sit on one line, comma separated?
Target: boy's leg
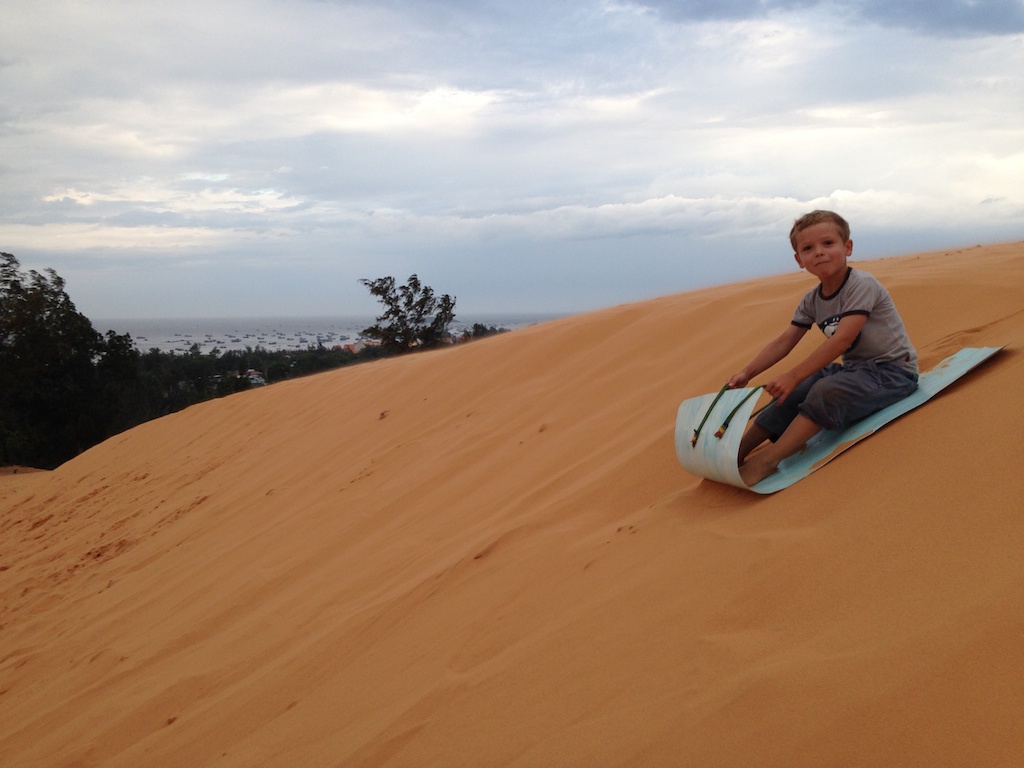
{"x": 765, "y": 462}
{"x": 775, "y": 419}
{"x": 839, "y": 397}
{"x": 855, "y": 392}
{"x": 753, "y": 437}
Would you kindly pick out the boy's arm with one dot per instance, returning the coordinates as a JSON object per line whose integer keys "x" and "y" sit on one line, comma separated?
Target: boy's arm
{"x": 773, "y": 351}
{"x": 831, "y": 348}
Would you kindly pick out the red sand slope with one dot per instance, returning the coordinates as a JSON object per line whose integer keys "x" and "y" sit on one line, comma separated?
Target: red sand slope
{"x": 488, "y": 556}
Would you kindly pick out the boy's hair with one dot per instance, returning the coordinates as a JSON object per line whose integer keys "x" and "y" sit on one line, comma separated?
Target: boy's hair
{"x": 819, "y": 217}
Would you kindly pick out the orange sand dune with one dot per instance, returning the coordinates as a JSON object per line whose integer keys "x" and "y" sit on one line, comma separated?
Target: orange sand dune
{"x": 489, "y": 556}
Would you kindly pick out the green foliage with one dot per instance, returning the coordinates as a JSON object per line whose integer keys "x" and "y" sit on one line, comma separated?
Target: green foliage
{"x": 64, "y": 387}
{"x": 413, "y": 316}
{"x": 479, "y": 330}
{"x": 49, "y": 358}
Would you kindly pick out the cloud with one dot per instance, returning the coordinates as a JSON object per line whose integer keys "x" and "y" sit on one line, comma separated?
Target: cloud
{"x": 939, "y": 17}
{"x": 948, "y": 17}
{"x": 620, "y": 148}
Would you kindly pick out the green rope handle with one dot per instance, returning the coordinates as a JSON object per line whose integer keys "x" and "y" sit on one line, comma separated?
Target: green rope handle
{"x": 762, "y": 408}
{"x": 728, "y": 419}
{"x": 696, "y": 432}
{"x": 725, "y": 424}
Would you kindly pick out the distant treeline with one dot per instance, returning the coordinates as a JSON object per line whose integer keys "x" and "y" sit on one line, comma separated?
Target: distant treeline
{"x": 65, "y": 387}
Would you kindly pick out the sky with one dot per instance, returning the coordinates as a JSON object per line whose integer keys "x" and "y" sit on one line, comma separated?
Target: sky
{"x": 260, "y": 157}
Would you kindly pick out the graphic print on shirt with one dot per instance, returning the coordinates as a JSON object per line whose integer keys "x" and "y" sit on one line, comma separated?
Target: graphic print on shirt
{"x": 830, "y": 324}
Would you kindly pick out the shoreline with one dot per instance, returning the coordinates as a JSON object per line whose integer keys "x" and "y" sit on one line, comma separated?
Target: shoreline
{"x": 275, "y": 333}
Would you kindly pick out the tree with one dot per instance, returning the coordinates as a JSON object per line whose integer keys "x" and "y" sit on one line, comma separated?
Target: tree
{"x": 65, "y": 388}
{"x": 413, "y": 318}
{"x": 124, "y": 401}
{"x": 49, "y": 391}
{"x": 479, "y": 330}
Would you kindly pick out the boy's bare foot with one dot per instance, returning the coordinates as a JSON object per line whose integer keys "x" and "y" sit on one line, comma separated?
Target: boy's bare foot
{"x": 756, "y": 470}
{"x": 764, "y": 462}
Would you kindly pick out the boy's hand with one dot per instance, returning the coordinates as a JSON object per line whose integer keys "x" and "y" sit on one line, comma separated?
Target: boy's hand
{"x": 782, "y": 386}
{"x": 739, "y": 379}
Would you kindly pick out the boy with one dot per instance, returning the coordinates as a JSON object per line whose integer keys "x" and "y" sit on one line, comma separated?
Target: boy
{"x": 860, "y": 322}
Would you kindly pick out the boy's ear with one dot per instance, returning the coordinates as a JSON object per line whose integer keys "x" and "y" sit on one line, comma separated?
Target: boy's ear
{"x": 796, "y": 257}
{"x": 849, "y": 248}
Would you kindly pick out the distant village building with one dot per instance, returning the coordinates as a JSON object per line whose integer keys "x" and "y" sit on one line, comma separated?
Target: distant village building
{"x": 360, "y": 345}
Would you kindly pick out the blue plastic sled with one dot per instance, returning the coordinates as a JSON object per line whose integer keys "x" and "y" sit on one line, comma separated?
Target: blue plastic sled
{"x": 703, "y": 453}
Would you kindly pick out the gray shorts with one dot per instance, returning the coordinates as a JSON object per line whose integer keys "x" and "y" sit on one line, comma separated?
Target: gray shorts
{"x": 840, "y": 394}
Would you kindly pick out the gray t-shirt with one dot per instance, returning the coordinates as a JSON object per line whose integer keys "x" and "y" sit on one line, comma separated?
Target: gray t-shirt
{"x": 883, "y": 338}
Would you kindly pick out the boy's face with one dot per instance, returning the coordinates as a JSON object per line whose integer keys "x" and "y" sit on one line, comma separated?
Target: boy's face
{"x": 820, "y": 250}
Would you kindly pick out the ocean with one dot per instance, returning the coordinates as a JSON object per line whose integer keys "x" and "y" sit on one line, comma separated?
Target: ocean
{"x": 273, "y": 333}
